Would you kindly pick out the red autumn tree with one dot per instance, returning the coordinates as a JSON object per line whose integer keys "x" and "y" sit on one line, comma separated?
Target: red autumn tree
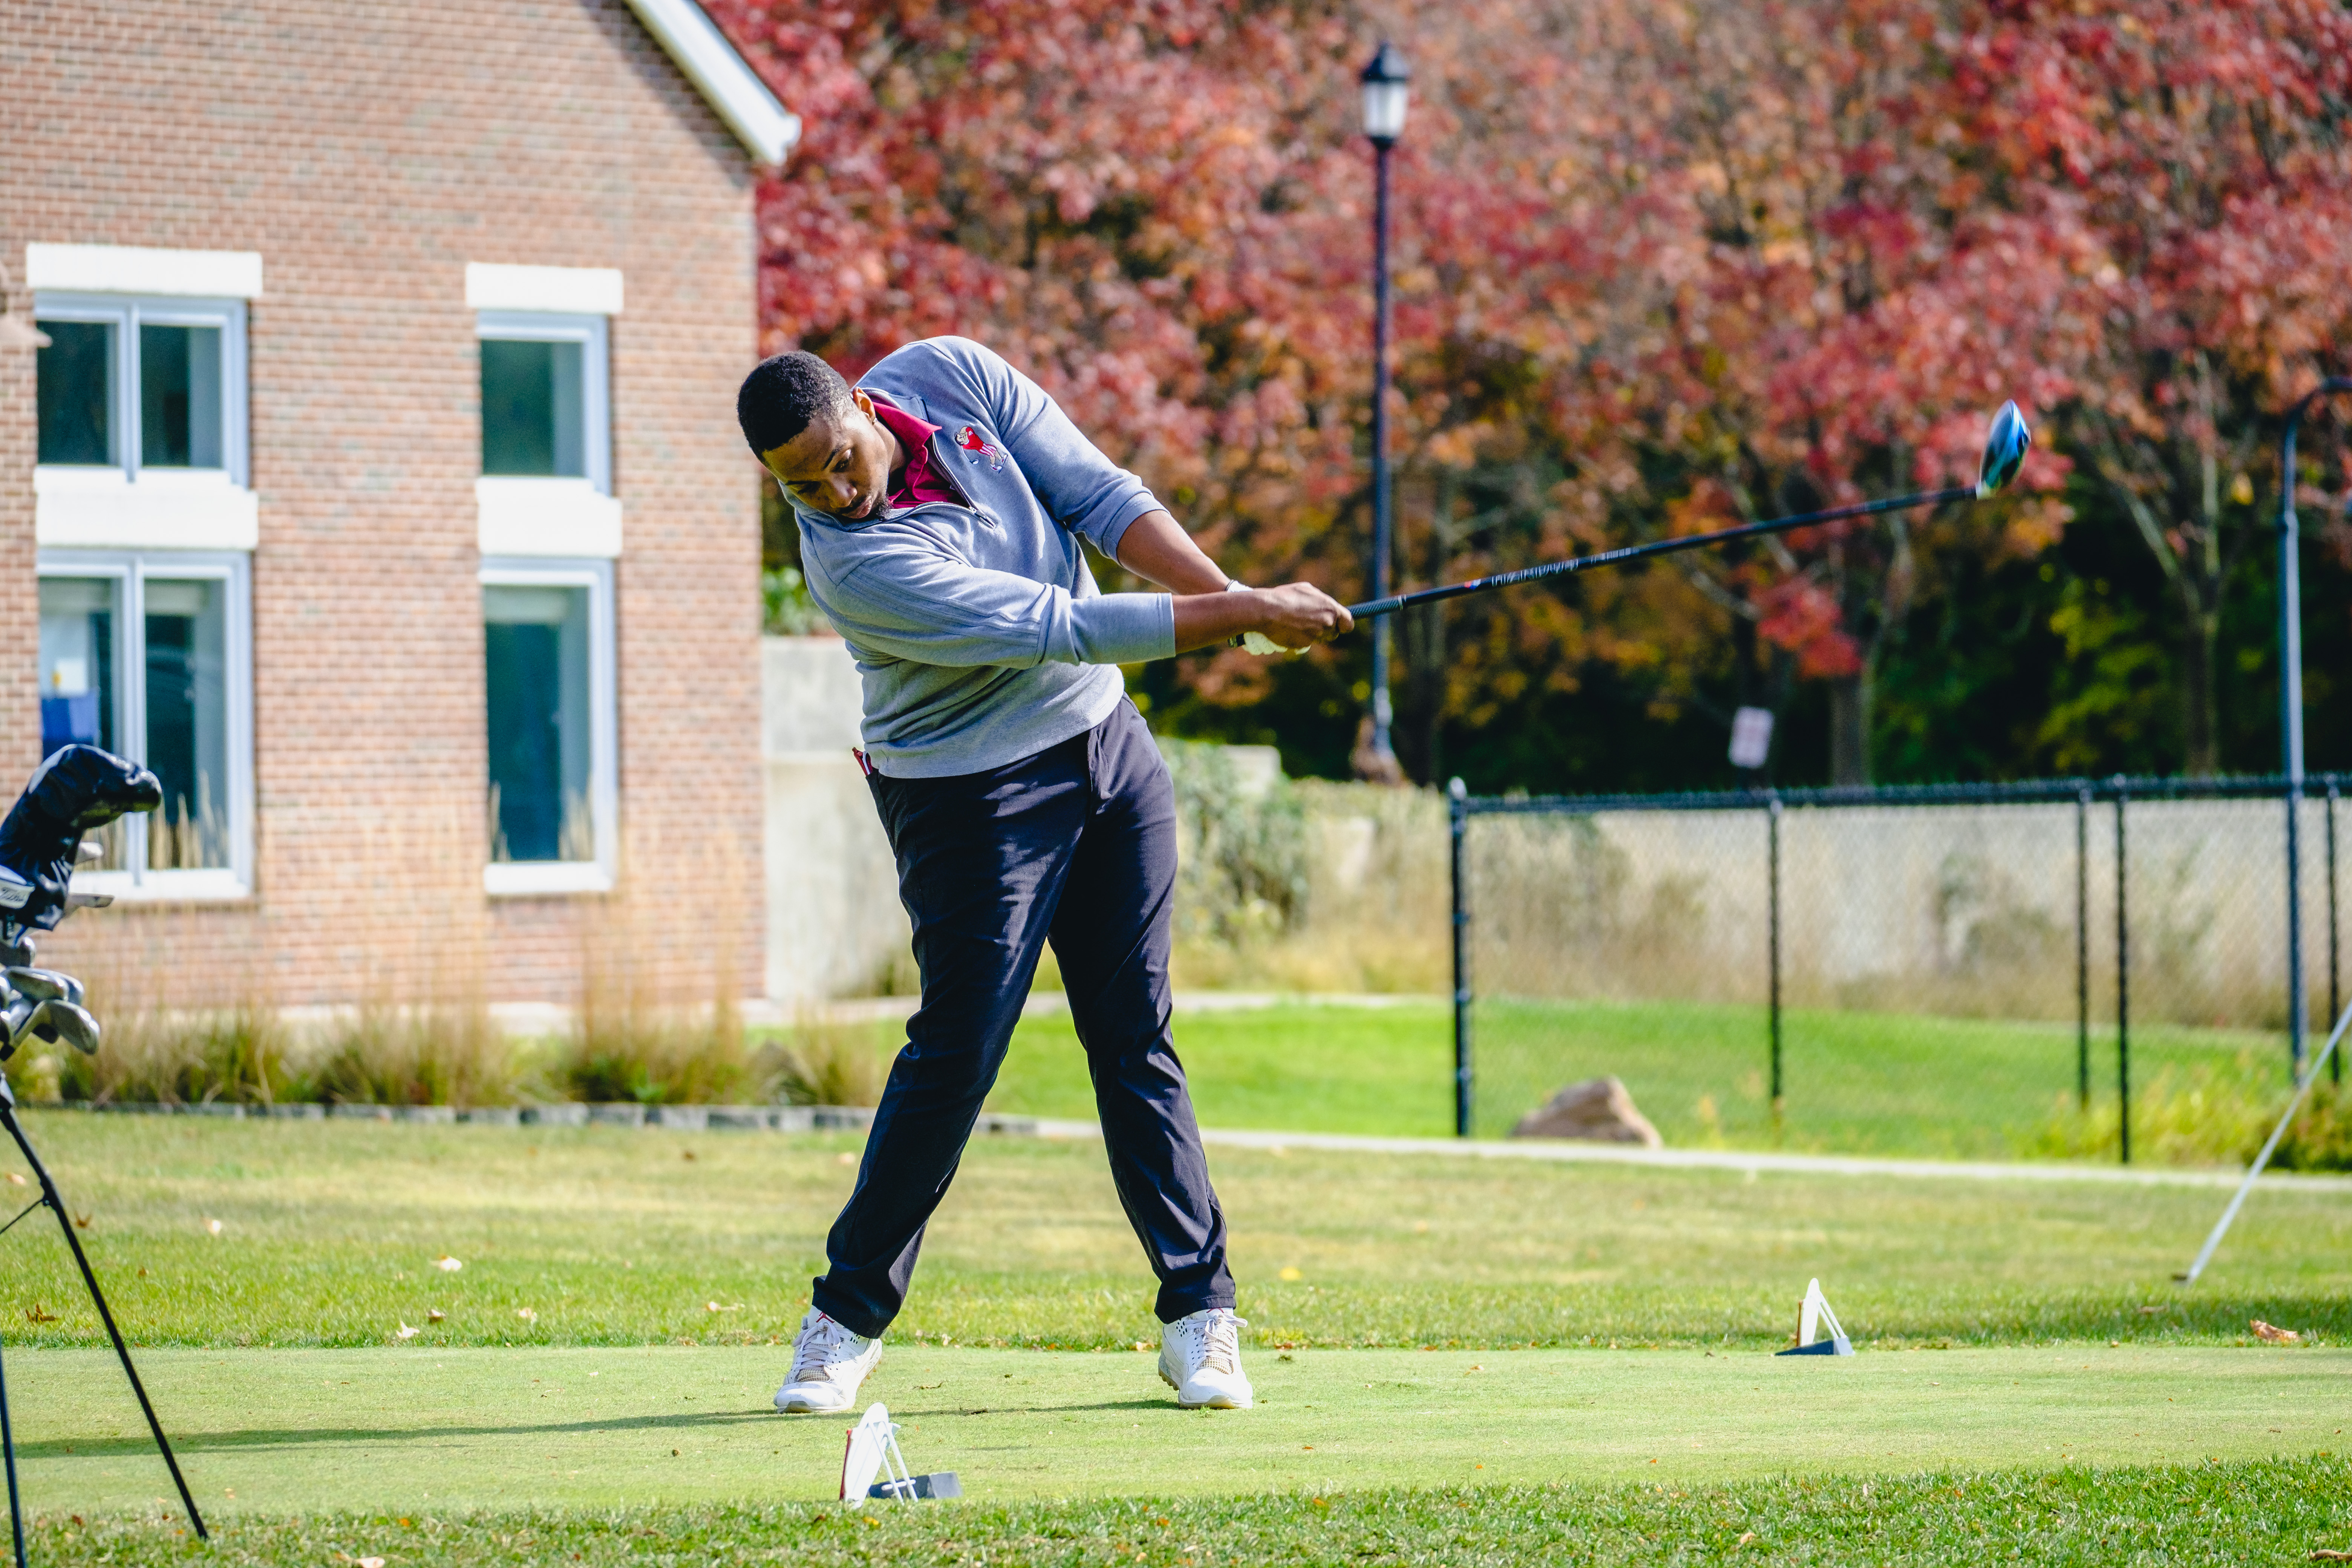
{"x": 2195, "y": 158}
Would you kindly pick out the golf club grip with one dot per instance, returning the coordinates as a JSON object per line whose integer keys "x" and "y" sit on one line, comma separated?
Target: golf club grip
{"x": 1396, "y": 602}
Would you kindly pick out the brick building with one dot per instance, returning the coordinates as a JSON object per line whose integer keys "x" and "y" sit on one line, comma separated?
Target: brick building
{"x": 378, "y": 485}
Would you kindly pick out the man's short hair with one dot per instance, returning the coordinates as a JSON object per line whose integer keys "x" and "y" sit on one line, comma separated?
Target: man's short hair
{"x": 785, "y": 395}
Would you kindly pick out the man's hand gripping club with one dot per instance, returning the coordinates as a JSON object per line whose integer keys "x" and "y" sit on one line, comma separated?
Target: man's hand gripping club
{"x": 1209, "y": 609}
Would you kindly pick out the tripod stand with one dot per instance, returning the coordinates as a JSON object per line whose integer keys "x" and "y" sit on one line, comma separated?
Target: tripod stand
{"x": 76, "y": 791}
{"x": 50, "y": 1199}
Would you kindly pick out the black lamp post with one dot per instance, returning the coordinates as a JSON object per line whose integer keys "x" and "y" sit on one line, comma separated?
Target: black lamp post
{"x": 2290, "y": 635}
{"x": 1385, "y": 91}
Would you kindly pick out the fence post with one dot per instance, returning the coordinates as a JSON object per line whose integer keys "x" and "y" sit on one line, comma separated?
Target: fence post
{"x": 2123, "y": 977}
{"x": 1458, "y": 804}
{"x": 2083, "y": 947}
{"x": 1772, "y": 817}
{"x": 2335, "y": 1000}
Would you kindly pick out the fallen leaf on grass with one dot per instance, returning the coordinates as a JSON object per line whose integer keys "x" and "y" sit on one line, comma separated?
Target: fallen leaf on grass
{"x": 15, "y": 1180}
{"x": 2326, "y": 1554}
{"x": 714, "y": 1307}
{"x": 526, "y": 1314}
{"x": 213, "y": 1227}
{"x": 2270, "y": 1333}
{"x": 447, "y": 1263}
{"x": 371, "y": 1562}
{"x": 82, "y": 1221}
{"x": 437, "y": 1315}
{"x": 405, "y": 1333}
{"x": 844, "y": 1159}
{"x": 40, "y": 1314}
{"x": 1289, "y": 1274}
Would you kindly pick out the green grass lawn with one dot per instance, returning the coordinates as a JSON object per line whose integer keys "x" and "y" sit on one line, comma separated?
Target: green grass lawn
{"x": 2217, "y": 1515}
{"x": 1878, "y": 1083}
{"x": 2091, "y": 1413}
{"x": 1296, "y": 1067}
{"x": 329, "y": 1235}
{"x": 409, "y": 1430}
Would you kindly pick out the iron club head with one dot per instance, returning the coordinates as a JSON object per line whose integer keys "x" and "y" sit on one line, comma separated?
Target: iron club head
{"x": 74, "y": 1025}
{"x": 59, "y": 1019}
{"x": 43, "y": 984}
{"x": 2005, "y": 449}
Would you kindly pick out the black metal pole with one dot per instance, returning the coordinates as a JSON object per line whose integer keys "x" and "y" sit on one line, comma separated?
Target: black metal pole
{"x": 2083, "y": 949}
{"x": 50, "y": 1195}
{"x": 1772, "y": 834}
{"x": 2290, "y": 651}
{"x": 2123, "y": 978}
{"x": 8, "y": 1453}
{"x": 2335, "y": 999}
{"x": 1382, "y": 546}
{"x": 1457, "y": 802}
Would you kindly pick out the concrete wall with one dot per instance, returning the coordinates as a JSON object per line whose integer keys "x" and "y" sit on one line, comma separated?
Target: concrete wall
{"x": 835, "y": 927}
{"x": 1949, "y": 909}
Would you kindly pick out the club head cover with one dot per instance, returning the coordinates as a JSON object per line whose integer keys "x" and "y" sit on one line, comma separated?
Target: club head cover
{"x": 77, "y": 789}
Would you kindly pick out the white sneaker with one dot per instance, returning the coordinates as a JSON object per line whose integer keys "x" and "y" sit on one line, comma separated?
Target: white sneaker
{"x": 828, "y": 1363}
{"x": 1201, "y": 1359}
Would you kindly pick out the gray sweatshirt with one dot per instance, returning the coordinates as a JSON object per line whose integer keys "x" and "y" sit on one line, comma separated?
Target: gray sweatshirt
{"x": 979, "y": 632}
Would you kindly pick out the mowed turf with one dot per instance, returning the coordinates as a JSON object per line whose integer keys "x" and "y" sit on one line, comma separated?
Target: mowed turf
{"x": 1878, "y": 1083}
{"x": 2222, "y": 1515}
{"x": 409, "y": 1431}
{"x": 595, "y": 1389}
{"x": 332, "y": 1235}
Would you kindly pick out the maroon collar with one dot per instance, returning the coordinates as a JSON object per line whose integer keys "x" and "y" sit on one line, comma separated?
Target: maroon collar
{"x": 917, "y": 483}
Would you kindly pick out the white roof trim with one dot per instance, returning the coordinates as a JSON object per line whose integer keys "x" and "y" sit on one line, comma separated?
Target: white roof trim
{"x": 140, "y": 269}
{"x": 710, "y": 62}
{"x": 572, "y": 290}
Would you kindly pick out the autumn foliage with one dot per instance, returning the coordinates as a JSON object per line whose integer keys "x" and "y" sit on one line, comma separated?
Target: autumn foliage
{"x": 1659, "y": 267}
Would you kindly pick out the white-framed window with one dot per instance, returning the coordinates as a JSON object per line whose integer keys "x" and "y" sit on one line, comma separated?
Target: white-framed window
{"x": 546, "y": 410}
{"x": 551, "y": 720}
{"x": 141, "y": 414}
{"x": 149, "y": 654}
{"x": 546, "y": 485}
{"x": 136, "y": 383}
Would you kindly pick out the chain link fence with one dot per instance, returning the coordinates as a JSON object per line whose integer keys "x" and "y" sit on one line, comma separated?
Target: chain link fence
{"x": 1991, "y": 970}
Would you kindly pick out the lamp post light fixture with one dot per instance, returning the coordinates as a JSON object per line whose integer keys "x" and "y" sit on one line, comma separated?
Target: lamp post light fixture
{"x": 2290, "y": 639}
{"x": 1384, "y": 88}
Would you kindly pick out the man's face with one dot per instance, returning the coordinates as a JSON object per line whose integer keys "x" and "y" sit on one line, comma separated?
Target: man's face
{"x": 840, "y": 465}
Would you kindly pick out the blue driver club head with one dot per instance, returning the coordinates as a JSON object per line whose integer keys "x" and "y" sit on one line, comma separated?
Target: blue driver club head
{"x": 2005, "y": 450}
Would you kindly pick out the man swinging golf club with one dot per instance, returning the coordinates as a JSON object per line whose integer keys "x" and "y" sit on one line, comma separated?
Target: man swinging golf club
{"x": 942, "y": 503}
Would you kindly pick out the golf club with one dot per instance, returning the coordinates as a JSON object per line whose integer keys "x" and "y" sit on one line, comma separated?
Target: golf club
{"x": 78, "y": 789}
{"x": 2004, "y": 453}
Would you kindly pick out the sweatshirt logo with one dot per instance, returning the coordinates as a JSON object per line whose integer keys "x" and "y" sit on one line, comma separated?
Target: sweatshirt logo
{"x": 973, "y": 442}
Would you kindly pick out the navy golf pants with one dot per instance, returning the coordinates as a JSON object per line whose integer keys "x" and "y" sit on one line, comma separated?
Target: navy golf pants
{"x": 1075, "y": 845}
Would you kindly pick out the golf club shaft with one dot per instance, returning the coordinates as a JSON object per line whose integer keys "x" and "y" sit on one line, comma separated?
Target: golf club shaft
{"x": 1656, "y": 547}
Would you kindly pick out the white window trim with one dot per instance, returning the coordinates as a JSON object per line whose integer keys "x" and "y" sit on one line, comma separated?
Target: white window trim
{"x": 127, "y": 311}
{"x": 131, "y": 568}
{"x": 144, "y": 269}
{"x": 536, "y": 291}
{"x": 523, "y": 878}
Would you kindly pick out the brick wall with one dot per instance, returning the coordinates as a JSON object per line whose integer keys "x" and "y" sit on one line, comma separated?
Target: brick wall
{"x": 369, "y": 153}
{"x": 20, "y": 635}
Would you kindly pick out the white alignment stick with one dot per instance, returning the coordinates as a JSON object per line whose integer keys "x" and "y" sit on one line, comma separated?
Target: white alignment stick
{"x": 2221, "y": 1227}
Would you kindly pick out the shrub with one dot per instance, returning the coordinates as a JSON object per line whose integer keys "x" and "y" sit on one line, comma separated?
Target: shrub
{"x": 429, "y": 1055}
{"x": 823, "y": 1064}
{"x": 2320, "y": 1136}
